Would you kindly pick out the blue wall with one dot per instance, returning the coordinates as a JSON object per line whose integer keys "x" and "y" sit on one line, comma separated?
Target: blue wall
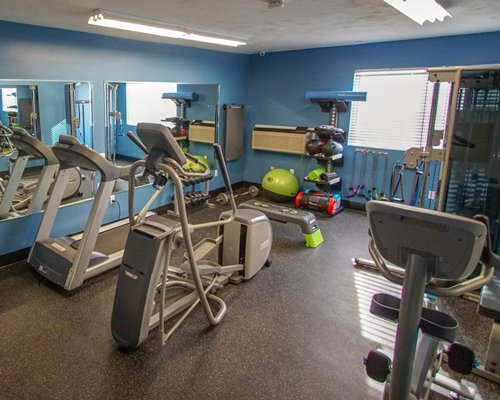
{"x": 272, "y": 86}
{"x": 278, "y": 82}
{"x": 30, "y": 52}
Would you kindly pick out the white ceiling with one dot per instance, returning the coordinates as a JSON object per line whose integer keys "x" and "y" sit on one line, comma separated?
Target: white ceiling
{"x": 300, "y": 24}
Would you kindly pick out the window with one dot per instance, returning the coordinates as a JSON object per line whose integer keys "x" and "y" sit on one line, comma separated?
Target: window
{"x": 144, "y": 102}
{"x": 9, "y": 99}
{"x": 397, "y": 111}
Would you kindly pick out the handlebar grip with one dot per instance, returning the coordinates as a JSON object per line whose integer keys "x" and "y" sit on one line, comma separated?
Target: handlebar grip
{"x": 137, "y": 142}
{"x": 222, "y": 165}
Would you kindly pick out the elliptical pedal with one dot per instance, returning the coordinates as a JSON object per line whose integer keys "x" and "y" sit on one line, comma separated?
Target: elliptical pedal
{"x": 204, "y": 247}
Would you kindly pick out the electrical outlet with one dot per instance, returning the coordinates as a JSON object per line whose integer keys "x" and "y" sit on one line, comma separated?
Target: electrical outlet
{"x": 112, "y": 199}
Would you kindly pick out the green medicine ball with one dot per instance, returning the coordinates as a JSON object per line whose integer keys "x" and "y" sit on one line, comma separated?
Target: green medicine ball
{"x": 280, "y": 185}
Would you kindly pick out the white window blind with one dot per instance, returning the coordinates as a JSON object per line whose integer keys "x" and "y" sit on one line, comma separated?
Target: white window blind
{"x": 144, "y": 102}
{"x": 396, "y": 113}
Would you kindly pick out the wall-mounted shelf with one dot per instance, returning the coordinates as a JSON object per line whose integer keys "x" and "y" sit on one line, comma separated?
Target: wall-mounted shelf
{"x": 181, "y": 99}
{"x": 339, "y": 99}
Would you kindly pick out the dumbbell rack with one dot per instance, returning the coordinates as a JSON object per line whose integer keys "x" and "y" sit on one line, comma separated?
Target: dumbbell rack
{"x": 194, "y": 197}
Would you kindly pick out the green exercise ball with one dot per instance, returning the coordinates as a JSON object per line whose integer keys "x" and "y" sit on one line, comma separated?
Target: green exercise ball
{"x": 280, "y": 185}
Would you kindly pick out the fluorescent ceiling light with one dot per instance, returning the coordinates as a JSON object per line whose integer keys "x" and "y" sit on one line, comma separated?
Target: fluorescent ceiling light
{"x": 420, "y": 10}
{"x": 135, "y": 24}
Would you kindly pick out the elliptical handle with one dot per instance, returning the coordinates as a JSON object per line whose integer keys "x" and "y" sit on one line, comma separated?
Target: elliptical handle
{"x": 225, "y": 176}
{"x": 223, "y": 168}
{"x": 137, "y": 142}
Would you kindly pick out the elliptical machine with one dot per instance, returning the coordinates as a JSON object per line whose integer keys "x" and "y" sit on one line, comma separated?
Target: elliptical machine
{"x": 438, "y": 253}
{"x": 243, "y": 242}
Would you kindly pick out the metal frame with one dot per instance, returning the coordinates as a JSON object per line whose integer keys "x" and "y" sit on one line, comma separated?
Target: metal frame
{"x": 11, "y": 189}
{"x": 40, "y": 193}
{"x": 452, "y": 75}
{"x": 111, "y": 118}
{"x": 492, "y": 356}
{"x": 80, "y": 270}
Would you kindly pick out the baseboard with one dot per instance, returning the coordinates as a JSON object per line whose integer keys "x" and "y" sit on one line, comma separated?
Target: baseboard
{"x": 15, "y": 256}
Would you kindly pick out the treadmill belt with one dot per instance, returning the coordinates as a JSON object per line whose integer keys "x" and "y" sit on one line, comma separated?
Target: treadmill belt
{"x": 110, "y": 241}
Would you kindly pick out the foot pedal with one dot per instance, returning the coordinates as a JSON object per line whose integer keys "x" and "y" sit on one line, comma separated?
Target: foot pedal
{"x": 461, "y": 358}
{"x": 378, "y": 365}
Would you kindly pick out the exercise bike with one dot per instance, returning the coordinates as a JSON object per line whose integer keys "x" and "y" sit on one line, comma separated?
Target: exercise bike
{"x": 438, "y": 253}
{"x": 149, "y": 290}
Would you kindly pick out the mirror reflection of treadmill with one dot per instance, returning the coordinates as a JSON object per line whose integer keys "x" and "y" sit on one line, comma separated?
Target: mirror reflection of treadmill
{"x": 70, "y": 260}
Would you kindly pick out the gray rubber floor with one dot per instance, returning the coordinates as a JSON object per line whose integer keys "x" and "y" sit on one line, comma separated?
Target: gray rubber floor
{"x": 298, "y": 330}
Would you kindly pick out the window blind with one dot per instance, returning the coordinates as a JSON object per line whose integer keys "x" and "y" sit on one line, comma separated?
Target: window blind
{"x": 396, "y": 113}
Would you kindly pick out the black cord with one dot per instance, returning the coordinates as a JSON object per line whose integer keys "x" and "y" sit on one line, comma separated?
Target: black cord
{"x": 119, "y": 210}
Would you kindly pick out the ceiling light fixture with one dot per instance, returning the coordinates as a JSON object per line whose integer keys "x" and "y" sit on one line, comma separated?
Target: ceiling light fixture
{"x": 125, "y": 22}
{"x": 420, "y": 10}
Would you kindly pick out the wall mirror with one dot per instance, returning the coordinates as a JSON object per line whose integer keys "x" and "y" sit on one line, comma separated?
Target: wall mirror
{"x": 189, "y": 110}
{"x": 45, "y": 110}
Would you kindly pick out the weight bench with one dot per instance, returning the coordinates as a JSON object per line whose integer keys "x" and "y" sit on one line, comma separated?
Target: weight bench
{"x": 305, "y": 220}
{"x": 489, "y": 306}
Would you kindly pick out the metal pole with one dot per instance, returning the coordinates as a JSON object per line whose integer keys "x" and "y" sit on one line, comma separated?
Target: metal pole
{"x": 448, "y": 140}
{"x": 34, "y": 112}
{"x": 71, "y": 108}
{"x": 410, "y": 311}
{"x": 430, "y": 140}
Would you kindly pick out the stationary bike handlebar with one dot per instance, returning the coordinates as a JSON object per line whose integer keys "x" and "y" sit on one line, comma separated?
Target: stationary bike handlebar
{"x": 137, "y": 142}
{"x": 489, "y": 261}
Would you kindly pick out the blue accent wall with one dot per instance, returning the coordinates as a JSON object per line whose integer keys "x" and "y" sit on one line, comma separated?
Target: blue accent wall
{"x": 31, "y": 52}
{"x": 278, "y": 82}
{"x": 272, "y": 87}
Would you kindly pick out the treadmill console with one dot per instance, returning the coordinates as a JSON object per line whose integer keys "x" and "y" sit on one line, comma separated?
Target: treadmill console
{"x": 160, "y": 142}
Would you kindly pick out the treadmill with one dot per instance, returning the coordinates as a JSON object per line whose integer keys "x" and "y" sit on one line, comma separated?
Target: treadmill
{"x": 70, "y": 260}
{"x": 28, "y": 147}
